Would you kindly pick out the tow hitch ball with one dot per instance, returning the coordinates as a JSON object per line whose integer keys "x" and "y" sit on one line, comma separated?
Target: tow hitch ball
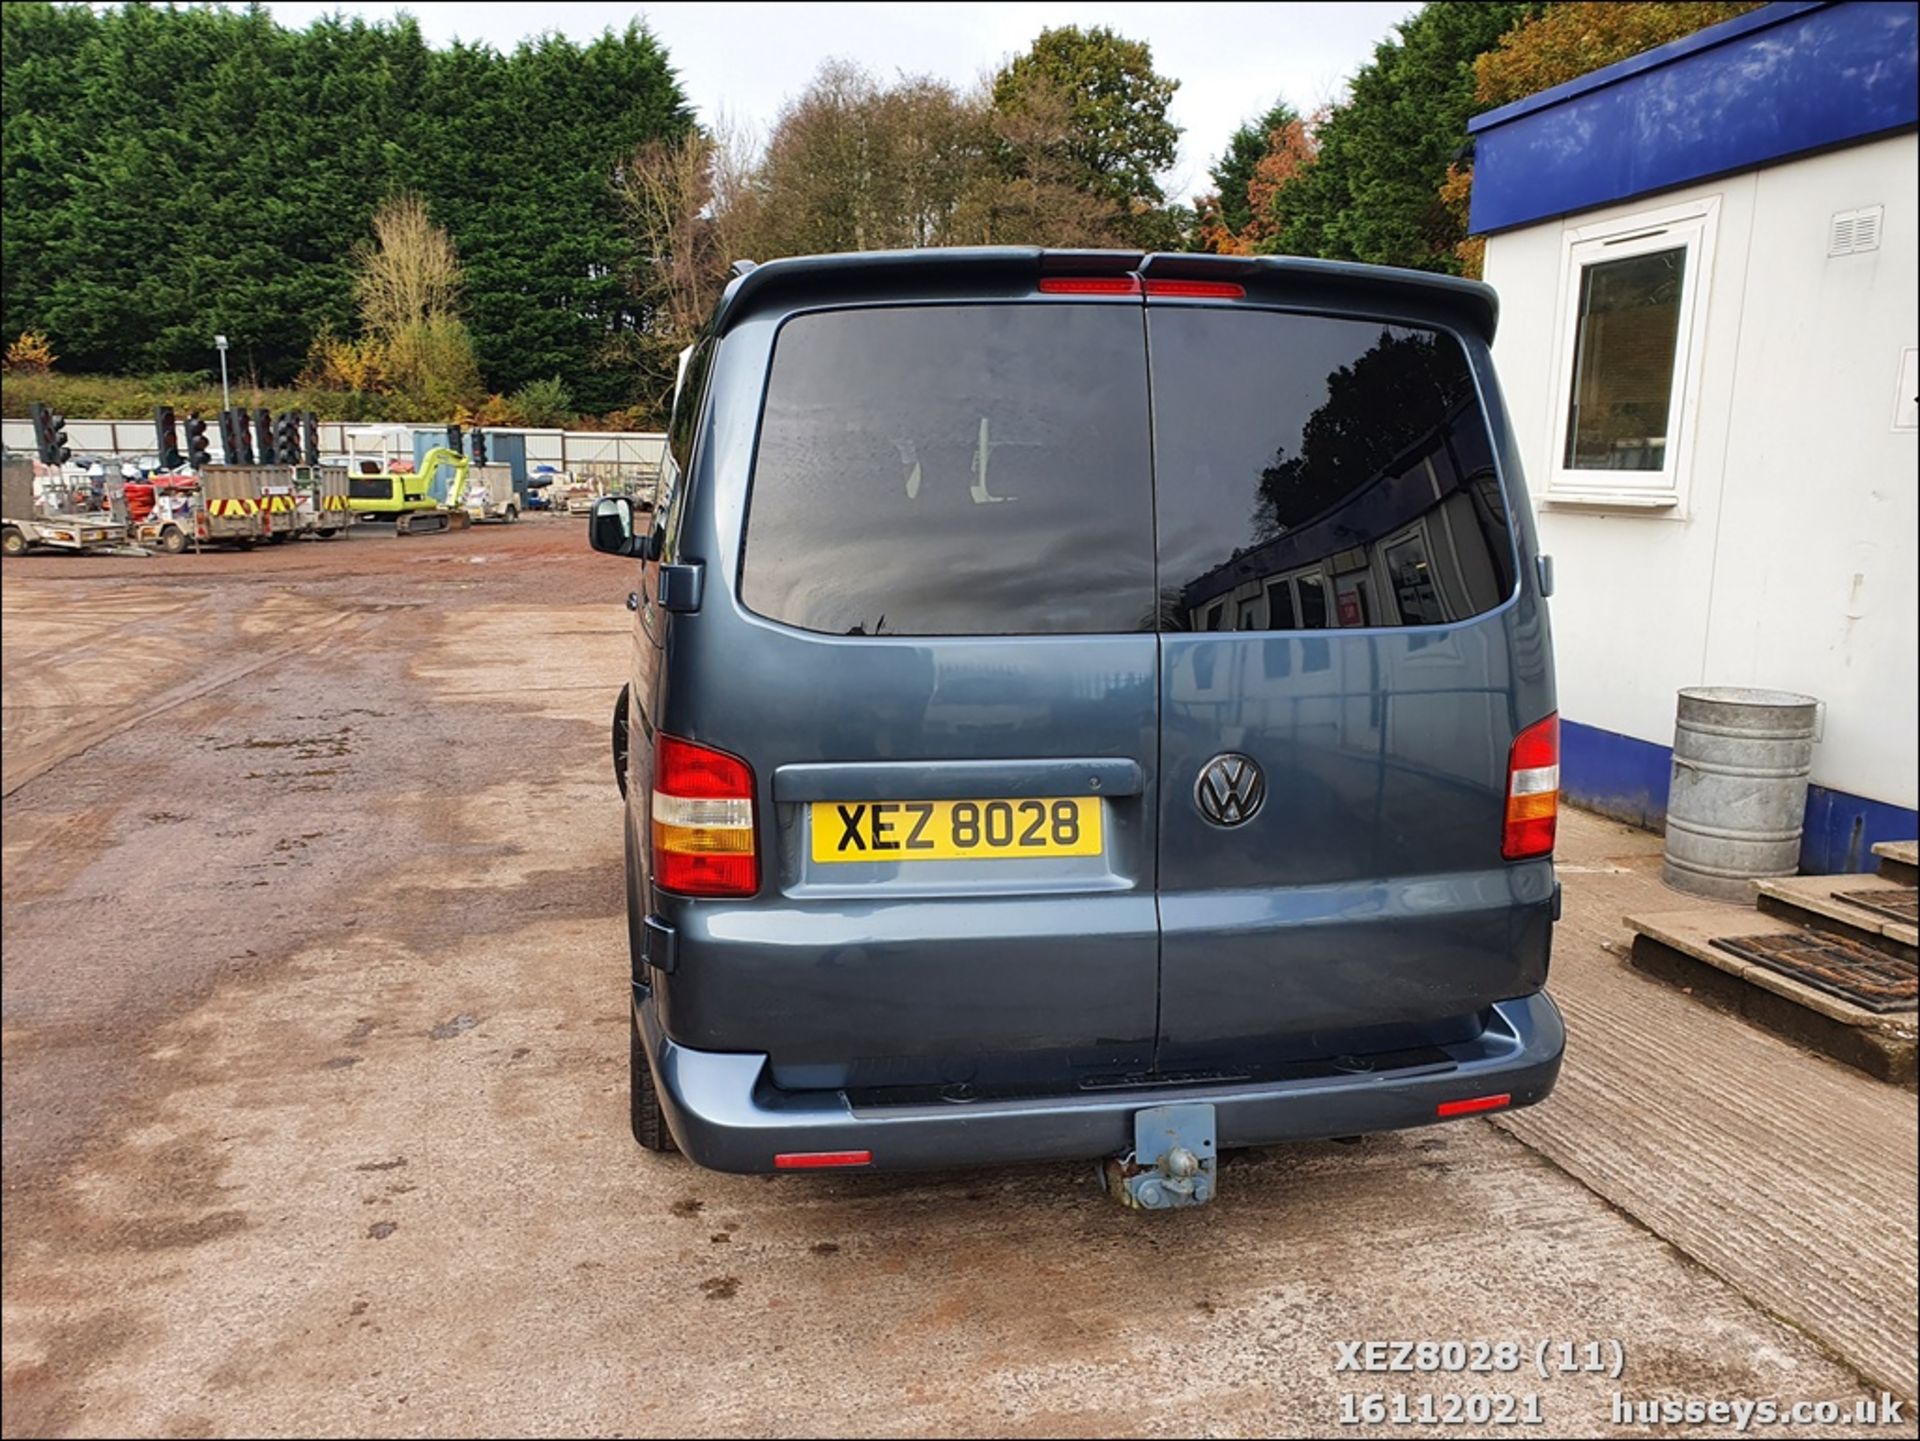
{"x": 1172, "y": 1162}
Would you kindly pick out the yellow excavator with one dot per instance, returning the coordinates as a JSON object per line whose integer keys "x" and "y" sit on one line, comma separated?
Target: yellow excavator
{"x": 406, "y": 496}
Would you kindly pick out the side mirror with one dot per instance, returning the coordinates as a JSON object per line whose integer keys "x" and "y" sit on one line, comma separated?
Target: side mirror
{"x": 610, "y": 525}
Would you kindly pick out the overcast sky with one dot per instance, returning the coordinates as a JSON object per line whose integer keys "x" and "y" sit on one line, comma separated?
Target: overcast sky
{"x": 743, "y": 60}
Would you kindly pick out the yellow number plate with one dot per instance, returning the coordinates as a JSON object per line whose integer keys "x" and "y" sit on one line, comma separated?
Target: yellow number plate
{"x": 955, "y": 830}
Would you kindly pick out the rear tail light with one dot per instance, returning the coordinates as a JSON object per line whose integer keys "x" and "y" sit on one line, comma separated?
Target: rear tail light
{"x": 1198, "y": 289}
{"x": 703, "y": 831}
{"x": 1090, "y": 285}
{"x": 1533, "y": 791}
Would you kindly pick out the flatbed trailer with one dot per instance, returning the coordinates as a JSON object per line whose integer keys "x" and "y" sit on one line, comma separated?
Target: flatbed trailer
{"x": 23, "y": 525}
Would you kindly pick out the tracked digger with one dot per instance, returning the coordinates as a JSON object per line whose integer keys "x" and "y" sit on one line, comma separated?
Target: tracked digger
{"x": 380, "y": 489}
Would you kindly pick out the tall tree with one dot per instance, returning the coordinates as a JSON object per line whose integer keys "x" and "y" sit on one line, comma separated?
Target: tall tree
{"x": 1116, "y": 138}
{"x": 170, "y": 172}
{"x": 1234, "y": 171}
{"x": 1372, "y": 192}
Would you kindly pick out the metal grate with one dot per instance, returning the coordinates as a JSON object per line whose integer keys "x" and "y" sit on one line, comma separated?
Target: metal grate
{"x": 1854, "y": 972}
{"x": 1900, "y": 903}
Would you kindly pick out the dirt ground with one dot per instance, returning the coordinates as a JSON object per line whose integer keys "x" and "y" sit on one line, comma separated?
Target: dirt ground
{"x": 314, "y": 1086}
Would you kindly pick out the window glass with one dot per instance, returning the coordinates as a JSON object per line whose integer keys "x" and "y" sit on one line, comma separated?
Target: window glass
{"x": 1296, "y": 446}
{"x": 1627, "y": 330}
{"x": 1280, "y": 605}
{"x": 1313, "y": 603}
{"x": 954, "y": 470}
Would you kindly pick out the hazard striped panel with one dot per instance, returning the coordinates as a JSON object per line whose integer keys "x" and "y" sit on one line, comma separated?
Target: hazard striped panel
{"x": 242, "y": 505}
{"x": 277, "y": 503}
{"x": 334, "y": 502}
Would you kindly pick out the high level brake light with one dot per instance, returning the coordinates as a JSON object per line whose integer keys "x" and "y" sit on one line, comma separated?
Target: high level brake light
{"x": 1089, "y": 285}
{"x": 703, "y": 823}
{"x": 1533, "y": 791}
{"x": 1198, "y": 289}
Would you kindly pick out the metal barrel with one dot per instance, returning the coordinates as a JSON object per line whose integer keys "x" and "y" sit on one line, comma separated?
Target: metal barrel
{"x": 1738, "y": 797}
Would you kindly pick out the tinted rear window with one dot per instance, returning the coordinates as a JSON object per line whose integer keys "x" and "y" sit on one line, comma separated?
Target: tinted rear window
{"x": 954, "y": 470}
{"x": 1315, "y": 472}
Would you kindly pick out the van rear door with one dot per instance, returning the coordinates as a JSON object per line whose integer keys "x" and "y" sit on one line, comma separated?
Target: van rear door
{"x": 1345, "y": 666}
{"x": 938, "y": 657}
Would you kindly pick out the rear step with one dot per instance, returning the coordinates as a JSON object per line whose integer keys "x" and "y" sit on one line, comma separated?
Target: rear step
{"x": 1789, "y": 980}
{"x": 1864, "y": 909}
{"x": 1899, "y": 861}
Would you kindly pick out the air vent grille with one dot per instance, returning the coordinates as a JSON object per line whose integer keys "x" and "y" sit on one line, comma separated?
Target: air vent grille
{"x": 1852, "y": 231}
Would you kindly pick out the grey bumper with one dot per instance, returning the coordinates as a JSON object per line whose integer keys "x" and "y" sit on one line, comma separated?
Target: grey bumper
{"x": 725, "y": 1115}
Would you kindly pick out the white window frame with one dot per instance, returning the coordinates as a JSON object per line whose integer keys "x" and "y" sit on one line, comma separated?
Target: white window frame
{"x": 1693, "y": 227}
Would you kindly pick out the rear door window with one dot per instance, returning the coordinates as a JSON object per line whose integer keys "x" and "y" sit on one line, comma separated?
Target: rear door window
{"x": 955, "y": 470}
{"x": 1310, "y": 447}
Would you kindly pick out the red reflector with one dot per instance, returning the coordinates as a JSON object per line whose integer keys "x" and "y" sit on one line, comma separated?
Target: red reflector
{"x": 1475, "y": 1106}
{"x": 1210, "y": 289}
{"x": 803, "y": 1160}
{"x": 1090, "y": 285}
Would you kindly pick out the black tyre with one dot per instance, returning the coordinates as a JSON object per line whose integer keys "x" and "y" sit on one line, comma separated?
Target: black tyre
{"x": 279, "y": 537}
{"x": 649, "y": 1121}
{"x": 173, "y": 540}
{"x": 513, "y": 514}
{"x": 13, "y": 541}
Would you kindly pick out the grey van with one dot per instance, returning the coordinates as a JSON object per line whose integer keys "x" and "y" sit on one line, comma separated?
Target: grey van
{"x": 1084, "y": 705}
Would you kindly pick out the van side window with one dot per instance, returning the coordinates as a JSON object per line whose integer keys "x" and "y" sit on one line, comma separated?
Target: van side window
{"x": 1350, "y": 456}
{"x": 972, "y": 469}
{"x": 676, "y": 462}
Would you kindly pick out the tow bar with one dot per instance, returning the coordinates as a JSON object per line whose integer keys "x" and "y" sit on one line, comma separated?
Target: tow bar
{"x": 1172, "y": 1163}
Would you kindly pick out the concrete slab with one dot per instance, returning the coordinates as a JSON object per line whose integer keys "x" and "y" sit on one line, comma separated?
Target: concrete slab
{"x": 1793, "y": 1178}
{"x": 1818, "y": 899}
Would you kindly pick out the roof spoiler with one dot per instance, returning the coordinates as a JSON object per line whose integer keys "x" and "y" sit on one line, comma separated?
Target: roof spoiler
{"x": 1014, "y": 271}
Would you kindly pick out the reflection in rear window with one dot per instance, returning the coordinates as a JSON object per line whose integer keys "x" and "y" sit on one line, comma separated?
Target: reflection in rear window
{"x": 955, "y": 470}
{"x": 1348, "y": 457}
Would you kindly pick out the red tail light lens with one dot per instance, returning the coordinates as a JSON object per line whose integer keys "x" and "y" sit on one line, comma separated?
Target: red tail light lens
{"x": 703, "y": 821}
{"x": 1533, "y": 791}
{"x": 1198, "y": 289}
{"x": 1090, "y": 285}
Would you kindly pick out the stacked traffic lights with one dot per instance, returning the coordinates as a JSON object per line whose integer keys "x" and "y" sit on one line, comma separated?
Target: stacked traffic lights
{"x": 50, "y": 436}
{"x": 286, "y": 441}
{"x": 199, "y": 456}
{"x": 310, "y": 438}
{"x": 236, "y": 437}
{"x": 453, "y": 439}
{"x": 166, "y": 438}
{"x": 479, "y": 447}
{"x": 262, "y": 437}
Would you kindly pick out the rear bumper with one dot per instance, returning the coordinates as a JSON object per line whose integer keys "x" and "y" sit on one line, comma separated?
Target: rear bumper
{"x": 726, "y": 1116}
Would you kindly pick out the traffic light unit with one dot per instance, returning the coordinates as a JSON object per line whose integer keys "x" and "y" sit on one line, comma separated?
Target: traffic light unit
{"x": 479, "y": 447}
{"x": 166, "y": 438}
{"x": 262, "y": 437}
{"x": 199, "y": 456}
{"x": 50, "y": 436}
{"x": 453, "y": 440}
{"x": 286, "y": 441}
{"x": 310, "y": 438}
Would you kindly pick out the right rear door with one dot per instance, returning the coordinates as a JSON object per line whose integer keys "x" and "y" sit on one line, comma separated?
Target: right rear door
{"x": 1336, "y": 689}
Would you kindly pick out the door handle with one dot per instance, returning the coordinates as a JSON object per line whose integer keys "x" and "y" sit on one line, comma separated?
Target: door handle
{"x": 633, "y": 600}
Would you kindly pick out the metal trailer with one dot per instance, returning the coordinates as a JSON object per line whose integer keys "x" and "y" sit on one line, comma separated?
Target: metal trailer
{"x": 231, "y": 507}
{"x": 489, "y": 494}
{"x": 321, "y": 495}
{"x": 23, "y": 526}
{"x": 170, "y": 526}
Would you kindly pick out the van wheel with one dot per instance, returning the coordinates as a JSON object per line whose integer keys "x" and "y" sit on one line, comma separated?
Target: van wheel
{"x": 512, "y": 515}
{"x": 13, "y": 541}
{"x": 173, "y": 540}
{"x": 649, "y": 1121}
